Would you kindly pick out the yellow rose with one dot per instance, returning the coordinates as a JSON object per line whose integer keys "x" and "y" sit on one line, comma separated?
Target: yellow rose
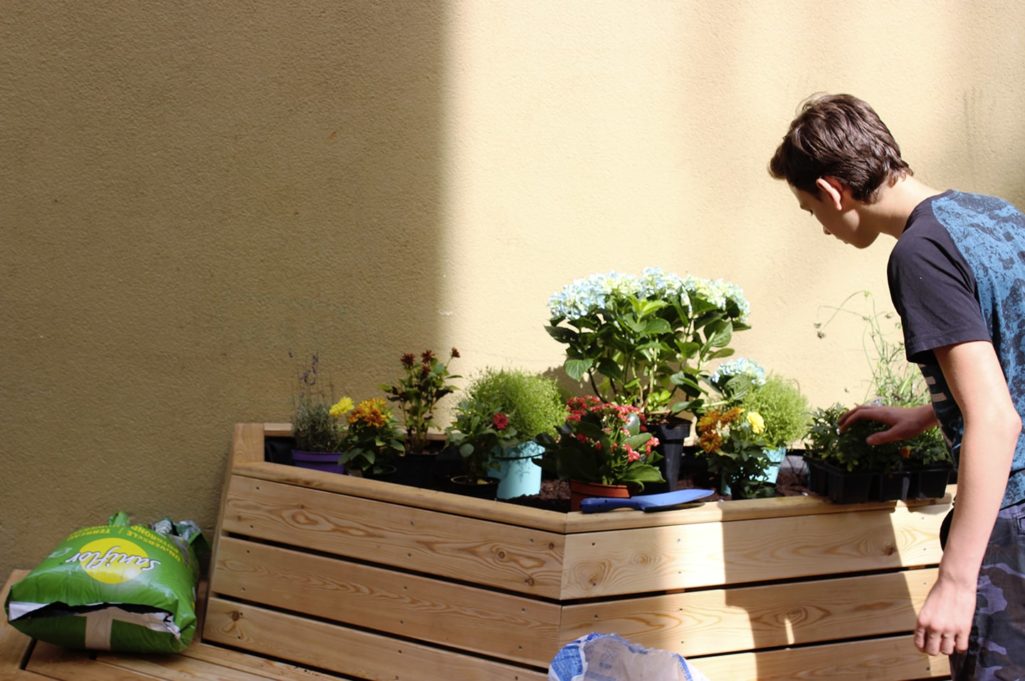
{"x": 756, "y": 422}
{"x": 341, "y": 407}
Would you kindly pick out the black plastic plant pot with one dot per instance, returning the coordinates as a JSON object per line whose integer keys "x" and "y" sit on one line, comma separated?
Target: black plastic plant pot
{"x": 847, "y": 487}
{"x": 670, "y": 438}
{"x": 889, "y": 486}
{"x": 818, "y": 476}
{"x": 929, "y": 482}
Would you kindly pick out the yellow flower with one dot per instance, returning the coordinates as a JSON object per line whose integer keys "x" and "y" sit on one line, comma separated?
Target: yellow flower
{"x": 341, "y": 407}
{"x": 757, "y": 423}
{"x": 371, "y": 412}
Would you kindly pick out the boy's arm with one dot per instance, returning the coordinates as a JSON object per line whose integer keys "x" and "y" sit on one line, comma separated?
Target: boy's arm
{"x": 991, "y": 429}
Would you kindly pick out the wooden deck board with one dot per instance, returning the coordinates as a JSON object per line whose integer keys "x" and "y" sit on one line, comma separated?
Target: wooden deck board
{"x": 507, "y": 557}
{"x": 880, "y": 659}
{"x": 615, "y": 562}
{"x": 408, "y": 605}
{"x": 361, "y": 654}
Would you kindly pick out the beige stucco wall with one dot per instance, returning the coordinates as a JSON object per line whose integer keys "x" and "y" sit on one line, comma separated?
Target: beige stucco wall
{"x": 191, "y": 191}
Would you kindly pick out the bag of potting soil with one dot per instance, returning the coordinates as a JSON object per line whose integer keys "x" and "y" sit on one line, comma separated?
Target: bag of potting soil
{"x": 121, "y": 587}
{"x": 608, "y": 657}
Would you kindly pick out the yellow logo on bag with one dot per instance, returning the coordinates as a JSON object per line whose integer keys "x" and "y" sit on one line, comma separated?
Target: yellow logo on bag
{"x": 113, "y": 560}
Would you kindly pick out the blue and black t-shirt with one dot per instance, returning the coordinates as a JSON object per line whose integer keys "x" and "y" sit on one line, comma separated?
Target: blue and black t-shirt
{"x": 957, "y": 274}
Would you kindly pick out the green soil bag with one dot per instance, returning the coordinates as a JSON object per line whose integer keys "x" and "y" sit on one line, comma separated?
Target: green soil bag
{"x": 121, "y": 587}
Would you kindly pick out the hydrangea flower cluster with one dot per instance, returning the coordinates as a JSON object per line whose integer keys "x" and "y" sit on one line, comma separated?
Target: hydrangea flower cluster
{"x": 645, "y": 340}
{"x": 740, "y": 366}
{"x": 590, "y": 295}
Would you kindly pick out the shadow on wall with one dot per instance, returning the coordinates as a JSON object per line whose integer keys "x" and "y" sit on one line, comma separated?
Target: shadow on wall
{"x": 198, "y": 191}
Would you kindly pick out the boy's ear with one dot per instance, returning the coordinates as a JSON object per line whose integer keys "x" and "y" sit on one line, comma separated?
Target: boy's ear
{"x": 832, "y": 190}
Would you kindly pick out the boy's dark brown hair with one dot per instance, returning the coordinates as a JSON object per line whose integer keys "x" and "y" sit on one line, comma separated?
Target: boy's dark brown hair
{"x": 838, "y": 136}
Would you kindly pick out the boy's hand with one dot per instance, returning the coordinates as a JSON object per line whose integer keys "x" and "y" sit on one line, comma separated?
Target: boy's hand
{"x": 904, "y": 422}
{"x": 945, "y": 621}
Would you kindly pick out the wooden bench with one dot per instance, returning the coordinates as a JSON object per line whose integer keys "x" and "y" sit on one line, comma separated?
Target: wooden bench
{"x": 317, "y": 575}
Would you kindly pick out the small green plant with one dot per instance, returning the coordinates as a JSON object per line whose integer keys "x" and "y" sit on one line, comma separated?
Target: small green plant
{"x": 895, "y": 382}
{"x": 372, "y": 440}
{"x": 418, "y": 391}
{"x": 783, "y": 407}
{"x": 316, "y": 425}
{"x": 502, "y": 409}
{"x": 848, "y": 449}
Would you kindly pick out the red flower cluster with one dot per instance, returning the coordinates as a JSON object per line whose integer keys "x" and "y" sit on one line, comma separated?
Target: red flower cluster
{"x": 499, "y": 421}
{"x": 614, "y": 419}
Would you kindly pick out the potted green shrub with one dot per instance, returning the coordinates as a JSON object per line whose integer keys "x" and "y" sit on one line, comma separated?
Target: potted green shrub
{"x": 786, "y": 413}
{"x": 372, "y": 440}
{"x": 317, "y": 428}
{"x": 603, "y": 449}
{"x": 496, "y": 425}
{"x": 646, "y": 341}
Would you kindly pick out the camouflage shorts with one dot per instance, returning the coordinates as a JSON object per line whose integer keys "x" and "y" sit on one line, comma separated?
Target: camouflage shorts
{"x": 996, "y": 647}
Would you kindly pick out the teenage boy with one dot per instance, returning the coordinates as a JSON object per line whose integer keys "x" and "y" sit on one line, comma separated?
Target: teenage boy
{"x": 957, "y": 279}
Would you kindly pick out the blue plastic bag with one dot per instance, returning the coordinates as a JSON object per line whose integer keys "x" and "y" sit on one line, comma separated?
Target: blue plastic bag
{"x": 607, "y": 657}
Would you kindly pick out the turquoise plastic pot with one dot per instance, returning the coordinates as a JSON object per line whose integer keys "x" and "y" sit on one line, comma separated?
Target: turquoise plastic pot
{"x": 776, "y": 456}
{"x": 517, "y": 474}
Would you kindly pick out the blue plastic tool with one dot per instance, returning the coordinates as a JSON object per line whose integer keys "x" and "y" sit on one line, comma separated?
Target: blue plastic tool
{"x": 645, "y": 502}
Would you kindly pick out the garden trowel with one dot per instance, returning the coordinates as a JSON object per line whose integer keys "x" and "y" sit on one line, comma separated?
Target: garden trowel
{"x": 645, "y": 502}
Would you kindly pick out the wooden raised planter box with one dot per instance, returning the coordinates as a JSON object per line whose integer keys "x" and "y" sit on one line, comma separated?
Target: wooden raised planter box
{"x": 375, "y": 580}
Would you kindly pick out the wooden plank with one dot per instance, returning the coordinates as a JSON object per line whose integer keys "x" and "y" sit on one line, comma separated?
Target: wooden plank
{"x": 254, "y": 664}
{"x": 277, "y": 429}
{"x": 746, "y": 509}
{"x": 620, "y": 562}
{"x": 25, "y": 675}
{"x": 199, "y": 661}
{"x": 406, "y": 495}
{"x": 718, "y": 621}
{"x": 14, "y": 645}
{"x": 247, "y": 443}
{"x": 180, "y": 668}
{"x": 886, "y": 659}
{"x": 77, "y": 665}
{"x": 503, "y": 556}
{"x": 357, "y": 653}
{"x": 392, "y": 602}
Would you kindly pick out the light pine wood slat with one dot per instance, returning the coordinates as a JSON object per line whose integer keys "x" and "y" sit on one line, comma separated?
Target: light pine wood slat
{"x": 431, "y": 610}
{"x": 357, "y": 653}
{"x": 77, "y": 665}
{"x": 197, "y": 663}
{"x": 258, "y": 666}
{"x": 727, "y": 620}
{"x": 406, "y": 495}
{"x": 600, "y": 564}
{"x": 885, "y": 659}
{"x": 514, "y": 558}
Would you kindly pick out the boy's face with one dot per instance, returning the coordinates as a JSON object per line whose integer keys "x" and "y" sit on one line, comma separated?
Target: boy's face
{"x": 836, "y": 214}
